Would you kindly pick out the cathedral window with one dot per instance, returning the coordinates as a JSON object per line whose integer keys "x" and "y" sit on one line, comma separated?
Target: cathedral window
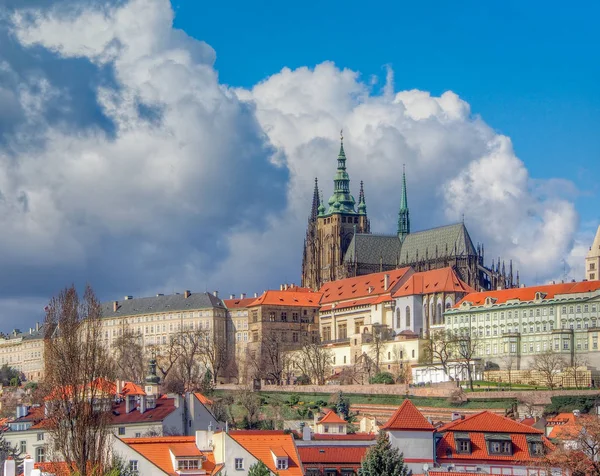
{"x": 407, "y": 316}
{"x": 398, "y": 317}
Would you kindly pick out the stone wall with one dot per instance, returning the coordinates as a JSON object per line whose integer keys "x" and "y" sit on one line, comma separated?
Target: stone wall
{"x": 585, "y": 377}
{"x": 539, "y": 397}
{"x": 438, "y": 390}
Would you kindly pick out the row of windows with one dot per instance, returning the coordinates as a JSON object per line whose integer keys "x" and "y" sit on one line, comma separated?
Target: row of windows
{"x": 163, "y": 317}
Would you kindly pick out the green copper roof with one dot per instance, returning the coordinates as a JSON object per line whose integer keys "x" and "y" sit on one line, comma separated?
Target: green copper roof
{"x": 362, "y": 206}
{"x": 403, "y": 215}
{"x": 341, "y": 201}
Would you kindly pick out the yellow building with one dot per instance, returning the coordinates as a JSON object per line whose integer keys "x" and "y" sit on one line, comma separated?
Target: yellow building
{"x": 24, "y": 351}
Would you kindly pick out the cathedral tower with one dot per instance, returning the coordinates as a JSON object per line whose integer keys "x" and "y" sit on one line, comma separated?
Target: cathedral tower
{"x": 403, "y": 216}
{"x": 331, "y": 230}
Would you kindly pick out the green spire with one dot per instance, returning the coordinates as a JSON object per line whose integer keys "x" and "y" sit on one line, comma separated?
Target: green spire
{"x": 362, "y": 206}
{"x": 403, "y": 215}
{"x": 341, "y": 201}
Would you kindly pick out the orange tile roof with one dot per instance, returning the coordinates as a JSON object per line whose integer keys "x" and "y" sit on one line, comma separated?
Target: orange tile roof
{"x": 203, "y": 399}
{"x": 331, "y": 417}
{"x": 433, "y": 281}
{"x": 489, "y": 422}
{"x": 322, "y": 454}
{"x": 261, "y": 443}
{"x": 359, "y": 286}
{"x": 446, "y": 449}
{"x": 288, "y": 298}
{"x": 158, "y": 450}
{"x": 238, "y": 303}
{"x": 528, "y": 293}
{"x": 131, "y": 388}
{"x": 561, "y": 418}
{"x": 408, "y": 417}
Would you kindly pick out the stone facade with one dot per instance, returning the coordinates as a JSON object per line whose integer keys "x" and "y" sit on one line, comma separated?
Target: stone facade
{"x": 592, "y": 260}
{"x": 24, "y": 351}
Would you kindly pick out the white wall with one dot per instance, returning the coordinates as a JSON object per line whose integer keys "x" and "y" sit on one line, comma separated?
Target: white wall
{"x": 417, "y": 445}
{"x": 145, "y": 467}
{"x": 416, "y": 314}
{"x": 199, "y": 417}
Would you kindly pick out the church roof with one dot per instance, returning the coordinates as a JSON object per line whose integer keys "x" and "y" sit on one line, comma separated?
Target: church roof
{"x": 595, "y": 248}
{"x": 451, "y": 240}
{"x": 372, "y": 249}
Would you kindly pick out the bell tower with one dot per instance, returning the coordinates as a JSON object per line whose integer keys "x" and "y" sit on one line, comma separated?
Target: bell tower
{"x": 330, "y": 232}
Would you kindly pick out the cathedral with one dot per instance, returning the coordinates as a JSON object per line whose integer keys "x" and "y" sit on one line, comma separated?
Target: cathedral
{"x": 339, "y": 243}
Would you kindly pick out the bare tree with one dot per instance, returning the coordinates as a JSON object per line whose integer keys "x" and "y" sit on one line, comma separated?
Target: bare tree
{"x": 166, "y": 355}
{"x": 548, "y": 365}
{"x": 269, "y": 359}
{"x": 576, "y": 370}
{"x": 250, "y": 402}
{"x": 377, "y": 345}
{"x": 189, "y": 369}
{"x": 404, "y": 371}
{"x": 213, "y": 353}
{"x": 509, "y": 363}
{"x": 467, "y": 347}
{"x": 315, "y": 361}
{"x": 128, "y": 353}
{"x": 439, "y": 350}
{"x": 78, "y": 370}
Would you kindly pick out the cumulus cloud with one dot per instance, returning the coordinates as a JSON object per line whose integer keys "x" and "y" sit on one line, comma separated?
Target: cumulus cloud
{"x": 126, "y": 163}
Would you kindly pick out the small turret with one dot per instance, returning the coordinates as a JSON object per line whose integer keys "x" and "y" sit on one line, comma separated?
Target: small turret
{"x": 362, "y": 206}
{"x": 403, "y": 214}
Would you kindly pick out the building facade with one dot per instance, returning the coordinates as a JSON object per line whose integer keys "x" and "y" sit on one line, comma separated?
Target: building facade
{"x": 339, "y": 243}
{"x": 519, "y": 323}
{"x": 592, "y": 260}
{"x": 24, "y": 351}
{"x": 238, "y": 335}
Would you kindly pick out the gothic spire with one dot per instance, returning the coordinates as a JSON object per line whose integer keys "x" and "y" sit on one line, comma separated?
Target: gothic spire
{"x": 314, "y": 211}
{"x": 341, "y": 201}
{"x": 362, "y": 205}
{"x": 403, "y": 214}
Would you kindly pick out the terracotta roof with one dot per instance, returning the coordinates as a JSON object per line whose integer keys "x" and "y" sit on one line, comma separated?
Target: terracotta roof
{"x": 164, "y": 407}
{"x": 288, "y": 298}
{"x": 446, "y": 448}
{"x": 158, "y": 450}
{"x": 350, "y": 437}
{"x": 131, "y": 388}
{"x": 34, "y": 414}
{"x": 238, "y": 303}
{"x": 332, "y": 417}
{"x": 528, "y": 421}
{"x": 568, "y": 431}
{"x": 202, "y": 399}
{"x": 489, "y": 422}
{"x": 99, "y": 385}
{"x": 332, "y": 454}
{"x": 408, "y": 417}
{"x": 528, "y": 293}
{"x": 181, "y": 450}
{"x": 261, "y": 443}
{"x": 359, "y": 286}
{"x": 355, "y": 302}
{"x": 561, "y": 418}
{"x": 433, "y": 281}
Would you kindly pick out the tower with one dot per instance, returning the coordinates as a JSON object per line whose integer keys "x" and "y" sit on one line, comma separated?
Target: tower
{"x": 331, "y": 230}
{"x": 592, "y": 260}
{"x": 403, "y": 214}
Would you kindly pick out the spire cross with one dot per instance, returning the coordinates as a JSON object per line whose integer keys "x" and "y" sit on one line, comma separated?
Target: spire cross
{"x": 342, "y": 135}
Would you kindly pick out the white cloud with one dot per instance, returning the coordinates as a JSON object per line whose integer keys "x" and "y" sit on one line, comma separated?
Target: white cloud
{"x": 142, "y": 173}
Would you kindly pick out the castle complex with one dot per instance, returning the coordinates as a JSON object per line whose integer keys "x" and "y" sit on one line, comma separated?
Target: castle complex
{"x": 339, "y": 243}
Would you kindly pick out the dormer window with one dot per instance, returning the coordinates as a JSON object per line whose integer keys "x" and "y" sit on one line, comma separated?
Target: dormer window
{"x": 282, "y": 463}
{"x": 499, "y": 444}
{"x": 463, "y": 443}
{"x": 186, "y": 464}
{"x": 536, "y": 445}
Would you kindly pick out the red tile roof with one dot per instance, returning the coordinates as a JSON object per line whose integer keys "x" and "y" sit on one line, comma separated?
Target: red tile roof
{"x": 528, "y": 293}
{"x": 202, "y": 399}
{"x": 131, "y": 388}
{"x": 261, "y": 444}
{"x": 322, "y": 454}
{"x": 238, "y": 303}
{"x": 446, "y": 449}
{"x": 164, "y": 407}
{"x": 288, "y": 298}
{"x": 331, "y": 417}
{"x": 408, "y": 417}
{"x": 489, "y": 422}
{"x": 158, "y": 450}
{"x": 182, "y": 450}
{"x": 352, "y": 437}
{"x": 433, "y": 281}
{"x": 359, "y": 287}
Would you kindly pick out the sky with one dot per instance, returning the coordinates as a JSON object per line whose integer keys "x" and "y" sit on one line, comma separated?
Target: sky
{"x": 149, "y": 146}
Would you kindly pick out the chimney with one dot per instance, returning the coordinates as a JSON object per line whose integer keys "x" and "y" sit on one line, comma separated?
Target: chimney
{"x": 37, "y": 326}
{"x": 255, "y": 295}
{"x": 115, "y": 306}
{"x": 285, "y": 287}
{"x": 456, "y": 416}
{"x": 128, "y": 404}
{"x": 128, "y": 298}
{"x": 36, "y": 472}
{"x": 142, "y": 403}
{"x": 216, "y": 294}
{"x": 281, "y": 287}
{"x": 119, "y": 385}
{"x": 204, "y": 439}
{"x": 9, "y": 467}
{"x": 27, "y": 465}
{"x": 386, "y": 281}
{"x": 232, "y": 296}
{"x": 30, "y": 331}
{"x": 306, "y": 434}
{"x": 243, "y": 296}
{"x": 187, "y": 294}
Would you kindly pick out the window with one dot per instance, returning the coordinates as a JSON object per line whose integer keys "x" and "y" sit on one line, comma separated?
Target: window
{"x": 23, "y": 447}
{"x": 121, "y": 430}
{"x": 295, "y": 316}
{"x": 407, "y": 316}
{"x": 187, "y": 464}
{"x": 133, "y": 465}
{"x": 40, "y": 454}
{"x": 500, "y": 447}
{"x": 282, "y": 463}
{"x": 138, "y": 435}
{"x": 464, "y": 446}
{"x": 40, "y": 437}
{"x": 398, "y": 317}
{"x": 284, "y": 317}
{"x": 565, "y": 344}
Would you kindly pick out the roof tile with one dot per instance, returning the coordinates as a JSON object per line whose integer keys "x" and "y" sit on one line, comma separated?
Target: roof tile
{"x": 408, "y": 417}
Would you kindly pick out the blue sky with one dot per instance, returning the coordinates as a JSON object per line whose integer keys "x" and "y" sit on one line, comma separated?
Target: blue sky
{"x": 530, "y": 69}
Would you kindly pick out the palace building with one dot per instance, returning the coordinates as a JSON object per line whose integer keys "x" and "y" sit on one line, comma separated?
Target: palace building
{"x": 339, "y": 243}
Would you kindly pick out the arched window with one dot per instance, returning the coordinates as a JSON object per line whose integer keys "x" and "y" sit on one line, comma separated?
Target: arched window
{"x": 398, "y": 317}
{"x": 407, "y": 317}
{"x": 438, "y": 315}
{"x": 448, "y": 304}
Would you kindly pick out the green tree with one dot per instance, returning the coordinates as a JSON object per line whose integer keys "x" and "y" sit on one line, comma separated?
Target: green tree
{"x": 383, "y": 459}
{"x": 342, "y": 406}
{"x": 259, "y": 469}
